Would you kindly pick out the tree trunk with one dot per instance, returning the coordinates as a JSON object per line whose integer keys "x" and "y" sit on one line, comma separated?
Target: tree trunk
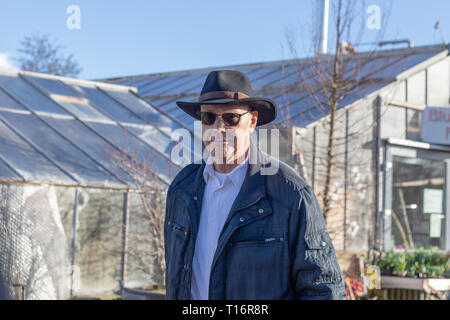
{"x": 333, "y": 103}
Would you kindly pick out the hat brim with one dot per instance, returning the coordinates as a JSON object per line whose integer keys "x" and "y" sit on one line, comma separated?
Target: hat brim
{"x": 267, "y": 110}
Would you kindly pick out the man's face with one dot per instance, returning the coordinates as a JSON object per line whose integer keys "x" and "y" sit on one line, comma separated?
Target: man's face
{"x": 227, "y": 144}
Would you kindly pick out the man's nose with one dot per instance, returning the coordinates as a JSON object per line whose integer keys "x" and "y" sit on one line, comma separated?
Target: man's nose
{"x": 219, "y": 125}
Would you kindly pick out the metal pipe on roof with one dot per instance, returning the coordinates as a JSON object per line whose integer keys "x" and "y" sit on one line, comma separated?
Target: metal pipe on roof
{"x": 387, "y": 42}
{"x": 322, "y": 11}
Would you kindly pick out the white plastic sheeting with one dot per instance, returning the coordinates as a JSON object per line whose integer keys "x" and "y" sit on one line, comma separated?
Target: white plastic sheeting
{"x": 33, "y": 250}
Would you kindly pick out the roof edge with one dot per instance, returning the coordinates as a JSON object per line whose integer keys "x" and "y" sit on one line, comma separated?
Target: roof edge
{"x": 418, "y": 49}
{"x": 69, "y": 79}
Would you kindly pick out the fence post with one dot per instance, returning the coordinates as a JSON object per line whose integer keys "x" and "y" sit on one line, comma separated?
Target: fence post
{"x": 123, "y": 270}
{"x": 74, "y": 234}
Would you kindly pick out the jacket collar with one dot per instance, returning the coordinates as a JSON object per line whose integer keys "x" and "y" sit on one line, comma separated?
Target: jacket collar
{"x": 236, "y": 176}
{"x": 253, "y": 187}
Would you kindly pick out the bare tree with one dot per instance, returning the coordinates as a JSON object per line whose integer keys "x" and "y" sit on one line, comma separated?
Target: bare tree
{"x": 146, "y": 228}
{"x": 42, "y": 54}
{"x": 337, "y": 147}
{"x": 328, "y": 79}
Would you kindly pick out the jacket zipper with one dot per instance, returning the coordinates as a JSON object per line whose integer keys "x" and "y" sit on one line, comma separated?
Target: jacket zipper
{"x": 262, "y": 241}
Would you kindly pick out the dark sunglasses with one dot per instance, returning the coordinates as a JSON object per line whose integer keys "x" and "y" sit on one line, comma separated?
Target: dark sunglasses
{"x": 229, "y": 119}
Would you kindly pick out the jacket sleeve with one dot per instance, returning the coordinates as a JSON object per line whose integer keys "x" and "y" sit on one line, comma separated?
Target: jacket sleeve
{"x": 315, "y": 271}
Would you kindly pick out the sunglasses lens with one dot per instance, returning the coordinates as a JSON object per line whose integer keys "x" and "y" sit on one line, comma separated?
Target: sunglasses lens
{"x": 231, "y": 119}
{"x": 207, "y": 118}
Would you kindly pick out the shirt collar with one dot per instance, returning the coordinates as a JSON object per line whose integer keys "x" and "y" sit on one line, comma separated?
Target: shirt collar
{"x": 236, "y": 176}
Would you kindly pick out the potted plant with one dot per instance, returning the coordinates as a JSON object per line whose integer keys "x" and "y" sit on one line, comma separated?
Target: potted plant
{"x": 416, "y": 263}
{"x": 414, "y": 269}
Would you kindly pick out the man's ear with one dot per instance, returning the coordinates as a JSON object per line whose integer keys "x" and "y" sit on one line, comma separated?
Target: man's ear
{"x": 254, "y": 118}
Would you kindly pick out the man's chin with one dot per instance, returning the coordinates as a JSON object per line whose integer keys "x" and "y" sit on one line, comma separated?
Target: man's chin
{"x": 231, "y": 159}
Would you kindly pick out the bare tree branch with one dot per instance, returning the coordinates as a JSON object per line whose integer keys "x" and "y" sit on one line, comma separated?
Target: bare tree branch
{"x": 42, "y": 54}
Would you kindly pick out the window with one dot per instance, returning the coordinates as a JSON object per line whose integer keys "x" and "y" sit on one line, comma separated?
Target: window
{"x": 418, "y": 202}
{"x": 415, "y": 198}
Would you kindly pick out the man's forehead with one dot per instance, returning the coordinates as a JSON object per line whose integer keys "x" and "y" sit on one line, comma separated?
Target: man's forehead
{"x": 225, "y": 107}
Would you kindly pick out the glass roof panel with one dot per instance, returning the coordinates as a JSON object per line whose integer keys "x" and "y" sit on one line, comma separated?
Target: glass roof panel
{"x": 136, "y": 82}
{"x": 402, "y": 65}
{"x": 68, "y": 97}
{"x": 28, "y": 95}
{"x": 307, "y": 117}
{"x": 193, "y": 84}
{"x": 173, "y": 87}
{"x": 59, "y": 149}
{"x": 82, "y": 109}
{"x": 7, "y": 102}
{"x": 366, "y": 67}
{"x": 6, "y": 172}
{"x": 26, "y": 160}
{"x": 259, "y": 72}
{"x": 146, "y": 111}
{"x": 53, "y": 86}
{"x": 155, "y": 138}
{"x": 141, "y": 151}
{"x": 90, "y": 143}
{"x": 109, "y": 106}
{"x": 162, "y": 103}
{"x": 154, "y": 85}
{"x": 176, "y": 111}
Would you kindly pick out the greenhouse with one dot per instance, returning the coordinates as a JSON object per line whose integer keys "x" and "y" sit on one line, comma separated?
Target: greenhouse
{"x": 75, "y": 157}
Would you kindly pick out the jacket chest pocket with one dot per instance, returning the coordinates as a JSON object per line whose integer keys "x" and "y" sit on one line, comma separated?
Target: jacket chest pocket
{"x": 257, "y": 267}
{"x": 257, "y": 252}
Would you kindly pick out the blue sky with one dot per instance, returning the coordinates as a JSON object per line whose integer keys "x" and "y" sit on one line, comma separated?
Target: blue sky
{"x": 119, "y": 38}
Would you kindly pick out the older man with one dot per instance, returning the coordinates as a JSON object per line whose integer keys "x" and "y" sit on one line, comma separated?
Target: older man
{"x": 234, "y": 228}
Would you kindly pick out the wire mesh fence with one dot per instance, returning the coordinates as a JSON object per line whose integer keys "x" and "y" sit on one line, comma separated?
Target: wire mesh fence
{"x": 33, "y": 248}
{"x": 66, "y": 242}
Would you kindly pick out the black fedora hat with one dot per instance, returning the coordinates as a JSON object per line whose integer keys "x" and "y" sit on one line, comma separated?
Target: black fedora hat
{"x": 227, "y": 87}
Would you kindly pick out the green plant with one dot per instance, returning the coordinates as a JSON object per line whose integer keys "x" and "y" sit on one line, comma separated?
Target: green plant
{"x": 420, "y": 263}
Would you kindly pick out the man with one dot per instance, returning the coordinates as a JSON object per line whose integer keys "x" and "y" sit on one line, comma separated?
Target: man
{"x": 234, "y": 229}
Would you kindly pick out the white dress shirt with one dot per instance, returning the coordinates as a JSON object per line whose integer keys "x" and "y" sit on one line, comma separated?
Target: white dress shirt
{"x": 220, "y": 192}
